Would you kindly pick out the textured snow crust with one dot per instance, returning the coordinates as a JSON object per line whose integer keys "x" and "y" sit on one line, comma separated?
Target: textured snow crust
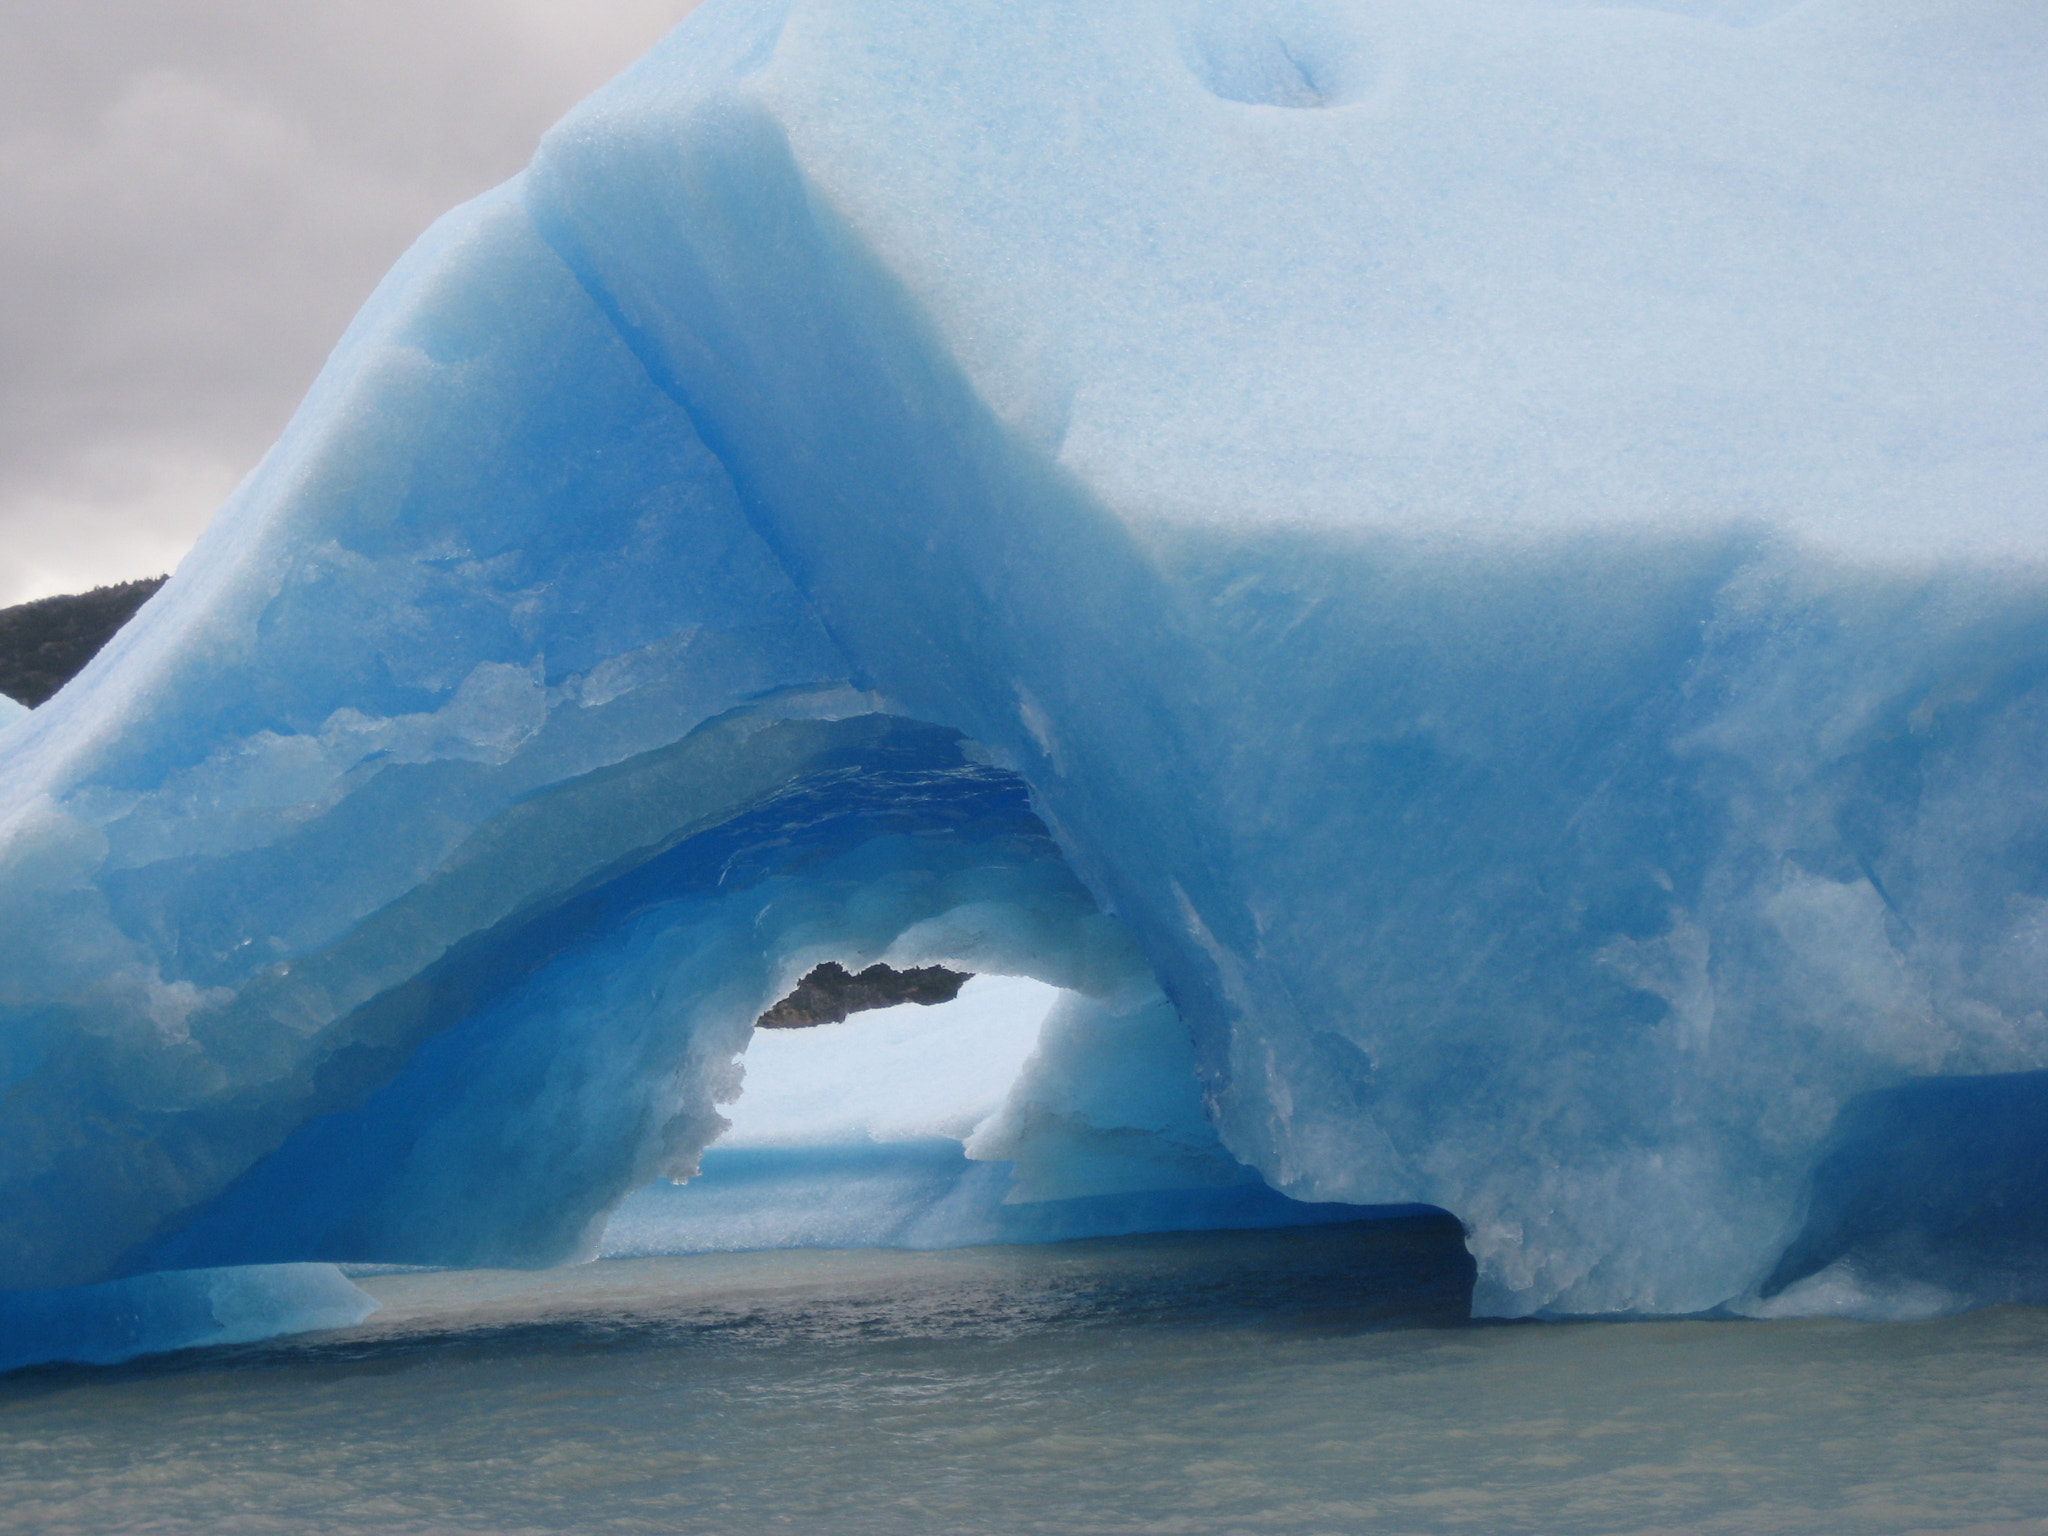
{"x": 1469, "y": 578}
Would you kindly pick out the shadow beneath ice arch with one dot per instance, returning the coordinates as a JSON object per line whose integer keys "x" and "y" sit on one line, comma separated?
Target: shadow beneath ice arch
{"x": 1938, "y": 1187}
{"x": 1401, "y": 1272}
{"x": 928, "y": 1194}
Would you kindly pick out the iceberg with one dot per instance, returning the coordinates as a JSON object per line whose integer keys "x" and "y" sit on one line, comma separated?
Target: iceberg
{"x": 1468, "y": 581}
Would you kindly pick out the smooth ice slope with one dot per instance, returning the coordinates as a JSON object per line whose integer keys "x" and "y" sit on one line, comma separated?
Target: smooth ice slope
{"x": 1503, "y": 544}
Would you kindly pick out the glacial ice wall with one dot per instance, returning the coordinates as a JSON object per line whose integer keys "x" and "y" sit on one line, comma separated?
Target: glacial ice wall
{"x": 1479, "y": 567}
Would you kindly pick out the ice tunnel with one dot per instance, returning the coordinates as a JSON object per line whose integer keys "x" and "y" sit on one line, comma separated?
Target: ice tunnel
{"x": 1469, "y": 580}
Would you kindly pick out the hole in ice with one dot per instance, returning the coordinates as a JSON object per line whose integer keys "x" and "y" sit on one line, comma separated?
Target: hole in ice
{"x": 1263, "y": 57}
{"x": 854, "y": 1136}
{"x": 1729, "y": 13}
{"x": 897, "y": 1073}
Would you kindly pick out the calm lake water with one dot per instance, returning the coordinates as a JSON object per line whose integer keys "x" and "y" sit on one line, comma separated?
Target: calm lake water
{"x": 1305, "y": 1381}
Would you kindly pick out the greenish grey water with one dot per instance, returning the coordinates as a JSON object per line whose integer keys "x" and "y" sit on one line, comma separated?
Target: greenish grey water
{"x": 1203, "y": 1384}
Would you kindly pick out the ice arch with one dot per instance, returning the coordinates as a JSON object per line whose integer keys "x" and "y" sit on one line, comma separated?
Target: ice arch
{"x": 1517, "y": 595}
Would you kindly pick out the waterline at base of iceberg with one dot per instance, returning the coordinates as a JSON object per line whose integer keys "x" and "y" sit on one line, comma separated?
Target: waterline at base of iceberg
{"x": 1201, "y": 1383}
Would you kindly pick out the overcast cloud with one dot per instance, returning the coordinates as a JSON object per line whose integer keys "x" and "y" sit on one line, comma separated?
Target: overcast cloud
{"x": 198, "y": 196}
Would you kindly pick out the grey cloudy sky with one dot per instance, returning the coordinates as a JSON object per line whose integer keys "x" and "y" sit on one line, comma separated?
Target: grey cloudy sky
{"x": 198, "y": 195}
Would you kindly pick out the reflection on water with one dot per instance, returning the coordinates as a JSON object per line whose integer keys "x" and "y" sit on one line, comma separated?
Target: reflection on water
{"x": 1302, "y": 1381}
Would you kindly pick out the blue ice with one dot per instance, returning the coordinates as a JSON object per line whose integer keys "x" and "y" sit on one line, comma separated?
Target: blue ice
{"x": 1467, "y": 580}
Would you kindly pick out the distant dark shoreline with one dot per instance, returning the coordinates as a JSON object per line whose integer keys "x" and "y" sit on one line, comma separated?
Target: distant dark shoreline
{"x": 46, "y": 643}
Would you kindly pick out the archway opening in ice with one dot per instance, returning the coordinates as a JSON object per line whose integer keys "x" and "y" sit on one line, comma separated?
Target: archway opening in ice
{"x": 855, "y": 1133}
{"x": 911, "y": 1072}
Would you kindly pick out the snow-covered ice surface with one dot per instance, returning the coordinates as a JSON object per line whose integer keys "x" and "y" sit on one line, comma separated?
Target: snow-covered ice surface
{"x": 1467, "y": 579}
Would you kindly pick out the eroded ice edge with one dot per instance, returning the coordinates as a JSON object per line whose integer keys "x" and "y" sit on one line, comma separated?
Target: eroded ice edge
{"x": 1466, "y": 580}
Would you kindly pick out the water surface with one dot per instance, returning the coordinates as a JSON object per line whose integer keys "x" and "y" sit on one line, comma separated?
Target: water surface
{"x": 1303, "y": 1381}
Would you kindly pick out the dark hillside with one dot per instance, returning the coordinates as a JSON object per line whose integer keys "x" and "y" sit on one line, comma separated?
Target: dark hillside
{"x": 44, "y": 644}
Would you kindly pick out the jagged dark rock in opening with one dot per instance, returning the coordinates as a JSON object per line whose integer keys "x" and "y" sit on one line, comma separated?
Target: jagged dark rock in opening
{"x": 46, "y": 643}
{"x": 831, "y": 992}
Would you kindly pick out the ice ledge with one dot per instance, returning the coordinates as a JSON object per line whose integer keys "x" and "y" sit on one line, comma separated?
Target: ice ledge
{"x": 180, "y": 1309}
